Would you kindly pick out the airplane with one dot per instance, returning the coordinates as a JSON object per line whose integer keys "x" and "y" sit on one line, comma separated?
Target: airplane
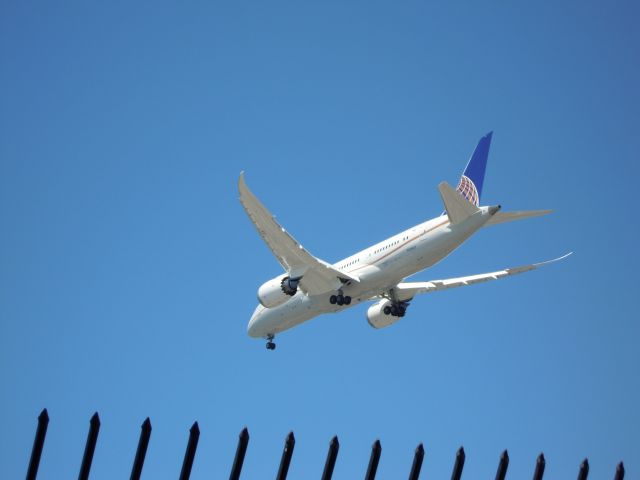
{"x": 310, "y": 286}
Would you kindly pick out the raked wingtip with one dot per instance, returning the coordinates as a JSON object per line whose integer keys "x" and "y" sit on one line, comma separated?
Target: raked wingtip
{"x": 241, "y": 182}
{"x": 562, "y": 257}
{"x": 554, "y": 259}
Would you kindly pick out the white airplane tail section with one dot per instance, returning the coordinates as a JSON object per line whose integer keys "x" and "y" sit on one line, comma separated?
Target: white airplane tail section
{"x": 458, "y": 207}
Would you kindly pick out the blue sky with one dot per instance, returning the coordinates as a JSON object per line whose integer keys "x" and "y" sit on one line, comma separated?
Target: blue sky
{"x": 128, "y": 270}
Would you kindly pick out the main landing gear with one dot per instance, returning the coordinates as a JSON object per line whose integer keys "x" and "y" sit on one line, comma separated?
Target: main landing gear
{"x": 340, "y": 299}
{"x": 270, "y": 344}
{"x": 396, "y": 309}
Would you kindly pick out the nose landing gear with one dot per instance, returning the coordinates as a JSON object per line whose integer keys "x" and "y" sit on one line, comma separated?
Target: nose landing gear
{"x": 270, "y": 344}
{"x": 340, "y": 299}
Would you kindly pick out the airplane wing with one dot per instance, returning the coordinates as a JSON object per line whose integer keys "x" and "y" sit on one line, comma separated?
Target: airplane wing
{"x": 318, "y": 276}
{"x": 407, "y": 290}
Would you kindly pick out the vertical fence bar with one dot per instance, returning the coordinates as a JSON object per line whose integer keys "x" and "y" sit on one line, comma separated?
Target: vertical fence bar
{"x": 332, "y": 455}
{"x": 190, "y": 453}
{"x": 502, "y": 466}
{"x": 540, "y": 464}
{"x": 38, "y": 444}
{"x": 287, "y": 453}
{"x": 459, "y": 465}
{"x": 584, "y": 470}
{"x": 243, "y": 442}
{"x": 417, "y": 463}
{"x": 376, "y": 451}
{"x": 141, "y": 452}
{"x": 90, "y": 448}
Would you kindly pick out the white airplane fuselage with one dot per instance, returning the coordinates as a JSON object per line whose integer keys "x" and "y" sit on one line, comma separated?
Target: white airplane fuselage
{"x": 378, "y": 268}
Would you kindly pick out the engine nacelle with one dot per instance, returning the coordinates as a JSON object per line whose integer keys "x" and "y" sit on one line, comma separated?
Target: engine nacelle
{"x": 376, "y": 316}
{"x": 277, "y": 291}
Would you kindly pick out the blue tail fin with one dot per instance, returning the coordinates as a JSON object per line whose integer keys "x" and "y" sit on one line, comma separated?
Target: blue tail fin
{"x": 470, "y": 185}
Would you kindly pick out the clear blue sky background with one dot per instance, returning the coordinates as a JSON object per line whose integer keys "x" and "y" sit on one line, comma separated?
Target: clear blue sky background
{"x": 128, "y": 270}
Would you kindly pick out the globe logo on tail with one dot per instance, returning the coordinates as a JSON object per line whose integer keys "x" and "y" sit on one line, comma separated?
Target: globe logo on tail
{"x": 468, "y": 190}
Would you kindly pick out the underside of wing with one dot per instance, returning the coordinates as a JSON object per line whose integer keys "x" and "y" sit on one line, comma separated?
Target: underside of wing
{"x": 407, "y": 290}
{"x": 317, "y": 276}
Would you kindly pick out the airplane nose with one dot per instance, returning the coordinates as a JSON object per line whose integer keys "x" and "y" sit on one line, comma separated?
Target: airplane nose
{"x": 252, "y": 326}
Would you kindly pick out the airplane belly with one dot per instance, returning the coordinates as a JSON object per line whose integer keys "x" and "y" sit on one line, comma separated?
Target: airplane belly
{"x": 435, "y": 246}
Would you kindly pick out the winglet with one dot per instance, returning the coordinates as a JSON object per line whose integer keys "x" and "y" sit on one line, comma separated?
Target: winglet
{"x": 458, "y": 208}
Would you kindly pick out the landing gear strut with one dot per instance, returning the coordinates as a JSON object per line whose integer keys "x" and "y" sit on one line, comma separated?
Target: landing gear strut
{"x": 340, "y": 299}
{"x": 270, "y": 344}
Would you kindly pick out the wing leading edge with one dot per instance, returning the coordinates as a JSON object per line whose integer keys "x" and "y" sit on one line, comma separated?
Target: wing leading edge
{"x": 407, "y": 290}
{"x": 318, "y": 276}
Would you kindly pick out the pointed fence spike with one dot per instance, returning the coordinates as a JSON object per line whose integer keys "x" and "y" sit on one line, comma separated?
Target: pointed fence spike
{"x": 584, "y": 470}
{"x": 459, "y": 465}
{"x": 332, "y": 455}
{"x": 90, "y": 447}
{"x": 190, "y": 453}
{"x": 95, "y": 419}
{"x": 376, "y": 451}
{"x": 502, "y": 466}
{"x": 38, "y": 444}
{"x": 287, "y": 453}
{"x": 141, "y": 451}
{"x": 619, "y": 472}
{"x": 416, "y": 466}
{"x": 540, "y": 464}
{"x": 146, "y": 425}
{"x": 241, "y": 450}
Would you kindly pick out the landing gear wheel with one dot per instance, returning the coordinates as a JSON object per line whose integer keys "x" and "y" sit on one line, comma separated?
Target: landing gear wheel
{"x": 270, "y": 344}
{"x": 340, "y": 299}
{"x": 396, "y": 309}
{"x": 333, "y": 299}
{"x": 347, "y": 300}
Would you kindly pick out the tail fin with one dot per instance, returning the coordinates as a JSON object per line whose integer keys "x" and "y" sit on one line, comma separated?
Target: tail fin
{"x": 457, "y": 207}
{"x": 470, "y": 185}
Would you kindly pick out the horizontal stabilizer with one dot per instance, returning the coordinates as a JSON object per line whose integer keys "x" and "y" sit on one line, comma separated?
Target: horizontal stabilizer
{"x": 458, "y": 208}
{"x": 503, "y": 217}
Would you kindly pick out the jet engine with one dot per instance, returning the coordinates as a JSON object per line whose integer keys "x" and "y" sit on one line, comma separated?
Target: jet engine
{"x": 277, "y": 291}
{"x": 377, "y": 317}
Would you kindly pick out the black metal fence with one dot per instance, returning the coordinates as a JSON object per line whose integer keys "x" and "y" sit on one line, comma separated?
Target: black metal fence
{"x": 287, "y": 454}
